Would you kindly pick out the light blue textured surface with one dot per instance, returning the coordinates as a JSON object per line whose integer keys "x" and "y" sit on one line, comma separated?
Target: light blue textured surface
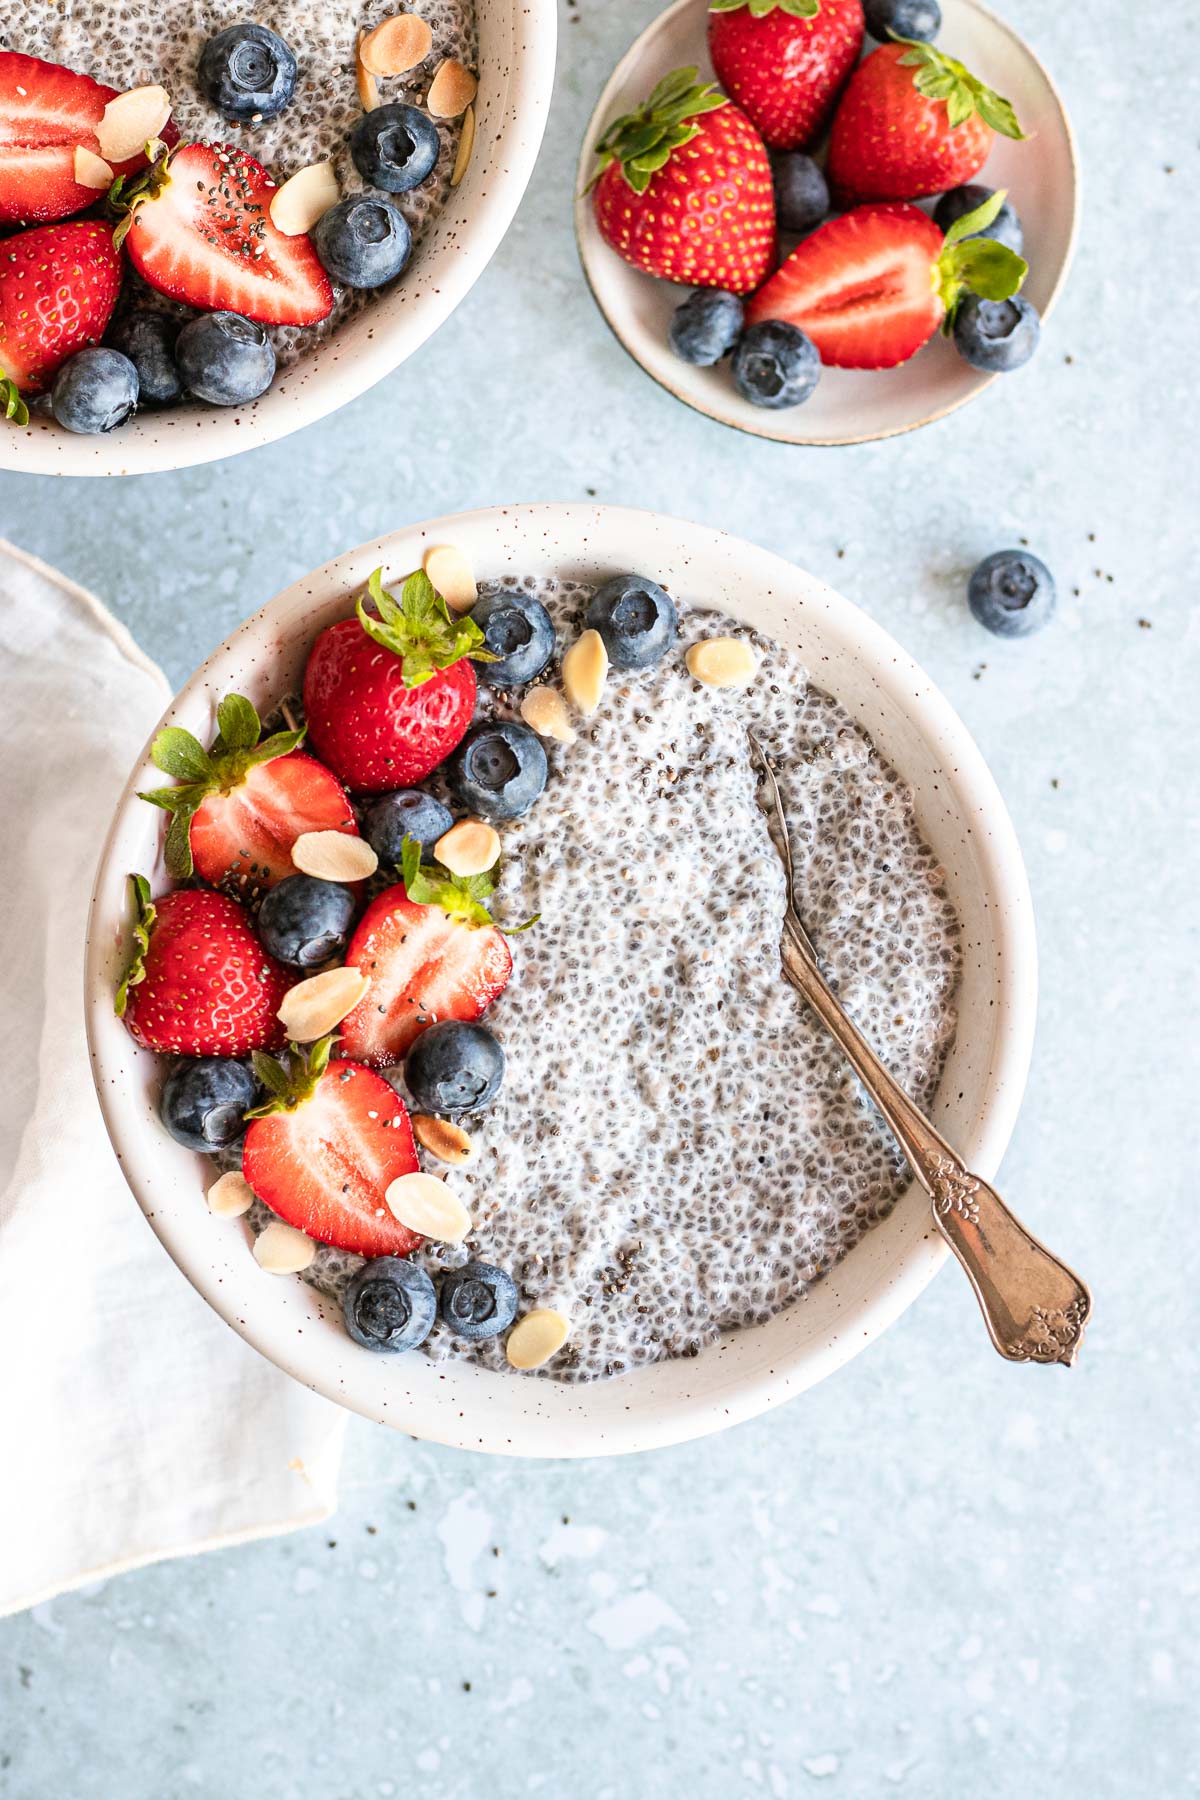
{"x": 936, "y": 1575}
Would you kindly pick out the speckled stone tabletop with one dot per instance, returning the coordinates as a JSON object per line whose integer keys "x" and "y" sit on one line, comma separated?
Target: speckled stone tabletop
{"x": 935, "y": 1575}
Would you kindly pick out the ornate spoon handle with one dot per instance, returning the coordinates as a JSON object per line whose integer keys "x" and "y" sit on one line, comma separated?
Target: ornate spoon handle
{"x": 1035, "y": 1308}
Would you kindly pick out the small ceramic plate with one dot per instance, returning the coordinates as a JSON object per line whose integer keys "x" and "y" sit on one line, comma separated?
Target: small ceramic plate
{"x": 849, "y": 406}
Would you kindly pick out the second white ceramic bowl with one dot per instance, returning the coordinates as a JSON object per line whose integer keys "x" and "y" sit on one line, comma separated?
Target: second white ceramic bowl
{"x": 964, "y": 820}
{"x": 517, "y": 41}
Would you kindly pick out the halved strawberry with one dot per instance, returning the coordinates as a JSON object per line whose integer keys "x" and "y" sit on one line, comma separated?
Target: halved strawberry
{"x": 424, "y": 964}
{"x": 871, "y": 287}
{"x": 200, "y": 983}
{"x": 388, "y": 697}
{"x": 242, "y": 805}
{"x": 46, "y": 111}
{"x": 324, "y": 1148}
{"x": 199, "y": 230}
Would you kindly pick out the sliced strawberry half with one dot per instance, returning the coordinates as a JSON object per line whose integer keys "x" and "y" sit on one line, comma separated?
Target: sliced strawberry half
{"x": 200, "y": 231}
{"x": 240, "y": 806}
{"x": 871, "y": 287}
{"x": 46, "y": 112}
{"x": 326, "y": 1146}
{"x": 424, "y": 964}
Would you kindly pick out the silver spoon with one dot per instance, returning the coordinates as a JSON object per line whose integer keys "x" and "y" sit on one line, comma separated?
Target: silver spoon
{"x": 1034, "y": 1307}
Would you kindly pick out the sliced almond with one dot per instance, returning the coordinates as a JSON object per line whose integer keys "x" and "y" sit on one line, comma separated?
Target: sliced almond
{"x": 334, "y": 856}
{"x": 312, "y": 1008}
{"x": 130, "y": 120}
{"x": 545, "y": 711}
{"x": 452, "y": 90}
{"x": 452, "y": 576}
{"x": 722, "y": 662}
{"x": 426, "y": 1205}
{"x": 91, "y": 171}
{"x": 469, "y": 848}
{"x": 585, "y": 670}
{"x": 396, "y": 45}
{"x": 537, "y": 1337}
{"x": 304, "y": 198}
{"x": 230, "y": 1196}
{"x": 368, "y": 87}
{"x": 448, "y": 1142}
{"x": 282, "y": 1250}
{"x": 466, "y": 143}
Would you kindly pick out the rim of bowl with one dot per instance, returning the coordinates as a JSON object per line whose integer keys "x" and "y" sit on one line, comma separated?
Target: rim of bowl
{"x": 919, "y": 1250}
{"x": 847, "y": 439}
{"x": 529, "y": 87}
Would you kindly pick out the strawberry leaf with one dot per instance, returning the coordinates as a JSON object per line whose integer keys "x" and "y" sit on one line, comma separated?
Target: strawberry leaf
{"x": 15, "y": 409}
{"x": 419, "y": 628}
{"x": 292, "y": 1079}
{"x": 177, "y": 753}
{"x": 462, "y": 896}
{"x": 976, "y": 265}
{"x": 143, "y": 925}
{"x": 128, "y": 191}
{"x": 237, "y": 724}
{"x": 798, "y": 9}
{"x": 942, "y": 77}
{"x": 978, "y": 219}
{"x": 643, "y": 142}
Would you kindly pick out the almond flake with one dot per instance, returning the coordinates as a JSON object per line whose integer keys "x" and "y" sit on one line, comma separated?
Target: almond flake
{"x": 545, "y": 711}
{"x": 452, "y": 576}
{"x": 129, "y": 121}
{"x": 368, "y": 87}
{"x": 91, "y": 171}
{"x": 282, "y": 1250}
{"x": 585, "y": 670}
{"x": 397, "y": 45}
{"x": 469, "y": 848}
{"x": 230, "y": 1196}
{"x": 426, "y": 1205}
{"x": 537, "y": 1337}
{"x": 466, "y": 143}
{"x": 722, "y": 662}
{"x": 304, "y": 198}
{"x": 452, "y": 90}
{"x": 312, "y": 1008}
{"x": 334, "y": 856}
{"x": 448, "y": 1142}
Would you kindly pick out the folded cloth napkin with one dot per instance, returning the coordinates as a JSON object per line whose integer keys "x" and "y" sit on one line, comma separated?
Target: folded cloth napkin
{"x": 135, "y": 1424}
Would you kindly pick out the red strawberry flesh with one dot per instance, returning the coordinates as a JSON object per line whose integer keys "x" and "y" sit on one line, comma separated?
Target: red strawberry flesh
{"x": 326, "y": 1167}
{"x": 209, "y": 989}
{"x": 243, "y": 837}
{"x": 423, "y": 966}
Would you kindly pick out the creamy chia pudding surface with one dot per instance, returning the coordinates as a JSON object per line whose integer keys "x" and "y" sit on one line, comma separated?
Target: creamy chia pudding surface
{"x": 678, "y": 1149}
{"x": 130, "y": 43}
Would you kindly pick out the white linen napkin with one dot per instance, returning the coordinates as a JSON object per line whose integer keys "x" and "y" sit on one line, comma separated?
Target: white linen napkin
{"x": 134, "y": 1423}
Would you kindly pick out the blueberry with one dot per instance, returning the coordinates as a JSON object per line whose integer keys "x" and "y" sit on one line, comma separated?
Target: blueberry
{"x": 498, "y": 770}
{"x": 390, "y": 1305}
{"x": 204, "y": 1100}
{"x": 705, "y": 326}
{"x": 996, "y": 335}
{"x": 303, "y": 921}
{"x": 225, "y": 359}
{"x": 363, "y": 241}
{"x": 1012, "y": 593}
{"x": 636, "y": 618}
{"x": 1005, "y": 227}
{"x": 775, "y": 365}
{"x": 95, "y": 390}
{"x": 395, "y": 147}
{"x": 478, "y": 1301}
{"x": 517, "y": 629}
{"x": 454, "y": 1068}
{"x": 801, "y": 191}
{"x": 406, "y": 813}
{"x": 920, "y": 19}
{"x": 148, "y": 340}
{"x": 248, "y": 73}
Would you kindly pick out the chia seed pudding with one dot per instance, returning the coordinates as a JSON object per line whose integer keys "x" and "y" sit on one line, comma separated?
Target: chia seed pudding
{"x": 132, "y": 43}
{"x": 678, "y": 1149}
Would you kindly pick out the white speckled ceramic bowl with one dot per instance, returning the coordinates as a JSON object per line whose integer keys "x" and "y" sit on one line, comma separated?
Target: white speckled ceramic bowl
{"x": 849, "y": 406}
{"x": 517, "y": 41}
{"x": 963, "y": 818}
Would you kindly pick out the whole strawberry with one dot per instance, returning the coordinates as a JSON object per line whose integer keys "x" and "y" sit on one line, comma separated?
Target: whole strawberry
{"x": 200, "y": 983}
{"x": 913, "y": 121}
{"x": 685, "y": 190}
{"x": 58, "y": 287}
{"x": 390, "y": 694}
{"x": 785, "y": 61}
